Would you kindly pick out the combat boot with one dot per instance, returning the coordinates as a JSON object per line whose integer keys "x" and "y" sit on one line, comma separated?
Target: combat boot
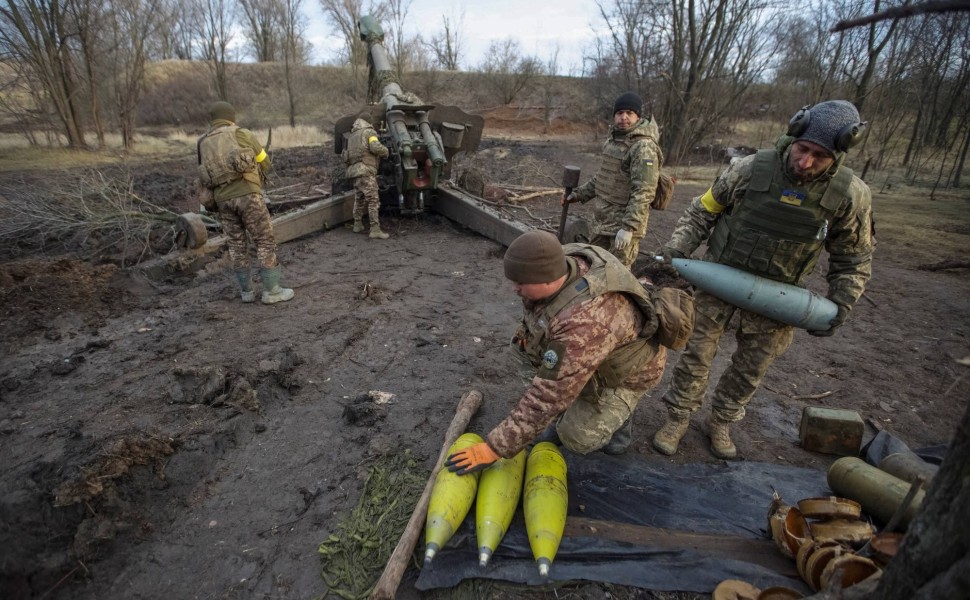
{"x": 246, "y": 285}
{"x": 358, "y": 225}
{"x": 621, "y": 439}
{"x": 720, "y": 433}
{"x": 272, "y": 291}
{"x": 668, "y": 438}
{"x": 376, "y": 233}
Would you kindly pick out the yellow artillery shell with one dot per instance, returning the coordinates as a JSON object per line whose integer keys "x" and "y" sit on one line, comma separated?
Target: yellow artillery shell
{"x": 499, "y": 490}
{"x": 545, "y": 502}
{"x": 451, "y": 499}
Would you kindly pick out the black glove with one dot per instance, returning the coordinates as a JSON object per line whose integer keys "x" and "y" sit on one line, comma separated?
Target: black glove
{"x": 840, "y": 318}
{"x": 664, "y": 265}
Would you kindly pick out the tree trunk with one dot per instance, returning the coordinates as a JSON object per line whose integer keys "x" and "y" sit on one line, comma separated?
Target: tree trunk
{"x": 934, "y": 560}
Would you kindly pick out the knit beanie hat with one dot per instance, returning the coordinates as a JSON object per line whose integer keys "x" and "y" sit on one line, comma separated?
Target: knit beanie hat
{"x": 628, "y": 101}
{"x": 222, "y": 111}
{"x": 826, "y": 121}
{"x": 535, "y": 257}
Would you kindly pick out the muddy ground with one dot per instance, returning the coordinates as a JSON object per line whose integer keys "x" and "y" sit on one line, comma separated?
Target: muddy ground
{"x": 159, "y": 439}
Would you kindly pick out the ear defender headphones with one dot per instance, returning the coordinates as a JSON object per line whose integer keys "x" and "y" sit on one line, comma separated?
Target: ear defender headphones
{"x": 847, "y": 137}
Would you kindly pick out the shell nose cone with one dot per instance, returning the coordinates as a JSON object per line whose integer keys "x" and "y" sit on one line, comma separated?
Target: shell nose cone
{"x": 429, "y": 553}
{"x": 544, "y": 567}
{"x": 483, "y": 557}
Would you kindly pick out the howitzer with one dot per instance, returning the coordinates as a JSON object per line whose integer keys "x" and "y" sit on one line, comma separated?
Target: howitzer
{"x": 422, "y": 138}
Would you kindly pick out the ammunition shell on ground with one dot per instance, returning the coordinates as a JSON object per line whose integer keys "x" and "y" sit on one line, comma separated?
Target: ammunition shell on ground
{"x": 499, "y": 490}
{"x": 879, "y": 493}
{"x": 451, "y": 499}
{"x": 545, "y": 502}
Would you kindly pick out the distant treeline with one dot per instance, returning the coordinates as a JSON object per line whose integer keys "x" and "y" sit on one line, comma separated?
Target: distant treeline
{"x": 73, "y": 69}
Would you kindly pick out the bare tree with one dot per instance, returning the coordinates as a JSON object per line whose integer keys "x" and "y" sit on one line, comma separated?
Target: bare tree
{"x": 177, "y": 38}
{"x": 214, "y": 34}
{"x": 343, "y": 16}
{"x": 446, "y": 45}
{"x": 694, "y": 61}
{"x": 293, "y": 25}
{"x": 38, "y": 33}
{"x": 506, "y": 71}
{"x": 399, "y": 43}
{"x": 89, "y": 21}
{"x": 261, "y": 27}
{"x": 132, "y": 24}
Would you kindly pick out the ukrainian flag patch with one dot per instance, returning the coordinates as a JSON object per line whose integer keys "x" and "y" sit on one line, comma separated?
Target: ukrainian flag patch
{"x": 793, "y": 197}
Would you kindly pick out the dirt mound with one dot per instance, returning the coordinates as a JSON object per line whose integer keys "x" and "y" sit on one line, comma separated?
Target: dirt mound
{"x": 33, "y": 291}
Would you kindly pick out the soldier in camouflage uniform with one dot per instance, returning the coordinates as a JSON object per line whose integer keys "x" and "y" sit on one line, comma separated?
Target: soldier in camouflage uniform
{"x": 588, "y": 328}
{"x": 626, "y": 182}
{"x": 363, "y": 155}
{"x": 770, "y": 214}
{"x": 232, "y": 163}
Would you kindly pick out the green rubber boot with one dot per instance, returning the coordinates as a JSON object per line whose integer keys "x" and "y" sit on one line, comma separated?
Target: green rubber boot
{"x": 272, "y": 291}
{"x": 246, "y": 285}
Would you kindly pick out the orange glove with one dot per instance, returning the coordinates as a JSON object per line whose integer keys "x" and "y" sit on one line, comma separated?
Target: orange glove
{"x": 471, "y": 459}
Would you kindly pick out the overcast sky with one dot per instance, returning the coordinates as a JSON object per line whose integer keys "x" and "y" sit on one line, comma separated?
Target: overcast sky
{"x": 540, "y": 26}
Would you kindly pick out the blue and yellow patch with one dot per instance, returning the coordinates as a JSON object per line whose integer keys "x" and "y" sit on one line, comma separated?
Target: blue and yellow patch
{"x": 793, "y": 197}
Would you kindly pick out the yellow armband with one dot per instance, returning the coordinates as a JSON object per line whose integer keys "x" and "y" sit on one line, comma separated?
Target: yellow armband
{"x": 261, "y": 156}
{"x": 372, "y": 139}
{"x": 709, "y": 204}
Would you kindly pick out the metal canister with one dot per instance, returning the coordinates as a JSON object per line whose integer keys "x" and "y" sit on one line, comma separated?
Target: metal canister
{"x": 879, "y": 493}
{"x": 907, "y": 465}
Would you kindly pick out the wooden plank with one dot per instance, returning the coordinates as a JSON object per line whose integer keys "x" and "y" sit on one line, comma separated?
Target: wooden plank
{"x": 759, "y": 552}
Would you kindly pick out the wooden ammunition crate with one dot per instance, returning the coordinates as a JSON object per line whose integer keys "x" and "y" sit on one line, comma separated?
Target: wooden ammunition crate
{"x": 831, "y": 430}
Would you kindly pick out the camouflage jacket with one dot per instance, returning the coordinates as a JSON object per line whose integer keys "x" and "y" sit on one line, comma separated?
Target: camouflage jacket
{"x": 364, "y": 150}
{"x": 585, "y": 335}
{"x": 626, "y": 182}
{"x": 847, "y": 231}
{"x": 241, "y": 187}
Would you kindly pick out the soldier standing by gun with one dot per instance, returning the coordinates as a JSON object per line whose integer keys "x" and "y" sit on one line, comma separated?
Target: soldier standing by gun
{"x": 232, "y": 164}
{"x": 363, "y": 155}
{"x": 626, "y": 183}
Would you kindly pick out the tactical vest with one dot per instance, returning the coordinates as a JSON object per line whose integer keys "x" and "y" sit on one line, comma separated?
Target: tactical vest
{"x": 222, "y": 160}
{"x": 360, "y": 160}
{"x": 603, "y": 276}
{"x": 778, "y": 231}
{"x": 612, "y": 183}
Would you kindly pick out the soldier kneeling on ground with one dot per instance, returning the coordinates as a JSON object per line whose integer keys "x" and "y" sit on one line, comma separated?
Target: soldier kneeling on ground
{"x": 595, "y": 334}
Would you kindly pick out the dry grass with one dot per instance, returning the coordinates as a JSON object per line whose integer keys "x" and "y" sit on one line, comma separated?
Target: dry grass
{"x": 283, "y": 137}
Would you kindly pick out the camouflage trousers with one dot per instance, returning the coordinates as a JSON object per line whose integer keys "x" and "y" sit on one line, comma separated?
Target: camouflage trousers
{"x": 760, "y": 341}
{"x": 367, "y": 198}
{"x": 248, "y": 214}
{"x": 590, "y": 422}
{"x": 627, "y": 256}
{"x": 601, "y": 230}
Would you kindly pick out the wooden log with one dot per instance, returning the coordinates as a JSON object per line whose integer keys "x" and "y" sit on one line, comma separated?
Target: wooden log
{"x": 386, "y": 586}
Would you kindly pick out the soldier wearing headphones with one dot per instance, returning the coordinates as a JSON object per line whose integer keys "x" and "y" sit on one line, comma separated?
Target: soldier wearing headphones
{"x": 770, "y": 214}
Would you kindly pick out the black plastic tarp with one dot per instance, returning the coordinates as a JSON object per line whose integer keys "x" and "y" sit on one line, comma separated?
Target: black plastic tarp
{"x": 727, "y": 499}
